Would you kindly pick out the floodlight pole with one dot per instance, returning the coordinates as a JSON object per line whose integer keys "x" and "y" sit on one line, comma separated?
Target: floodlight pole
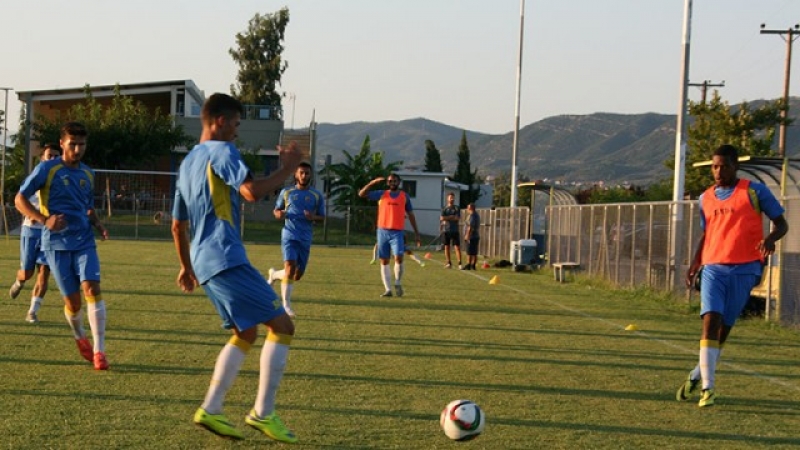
{"x": 515, "y": 144}
{"x": 3, "y": 161}
{"x": 680, "y": 150}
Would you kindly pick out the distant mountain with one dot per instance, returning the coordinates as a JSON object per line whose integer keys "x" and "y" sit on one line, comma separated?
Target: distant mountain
{"x": 614, "y": 148}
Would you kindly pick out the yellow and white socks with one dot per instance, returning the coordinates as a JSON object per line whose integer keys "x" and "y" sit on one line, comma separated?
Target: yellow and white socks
{"x": 96, "y": 312}
{"x": 709, "y": 355}
{"x": 226, "y": 369}
{"x": 272, "y": 365}
{"x": 75, "y": 321}
{"x": 386, "y": 276}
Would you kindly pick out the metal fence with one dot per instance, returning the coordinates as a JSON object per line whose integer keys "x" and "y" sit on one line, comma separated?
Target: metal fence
{"x": 631, "y": 244}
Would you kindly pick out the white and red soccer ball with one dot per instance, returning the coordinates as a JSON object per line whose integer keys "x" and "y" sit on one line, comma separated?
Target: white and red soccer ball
{"x": 462, "y": 420}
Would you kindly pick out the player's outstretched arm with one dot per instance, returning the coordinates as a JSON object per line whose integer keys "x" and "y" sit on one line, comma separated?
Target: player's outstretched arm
{"x": 255, "y": 189}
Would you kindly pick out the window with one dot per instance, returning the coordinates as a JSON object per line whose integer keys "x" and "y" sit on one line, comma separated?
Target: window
{"x": 410, "y": 187}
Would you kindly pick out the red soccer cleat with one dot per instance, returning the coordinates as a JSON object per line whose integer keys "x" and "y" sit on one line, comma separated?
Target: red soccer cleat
{"x": 100, "y": 362}
{"x": 85, "y": 347}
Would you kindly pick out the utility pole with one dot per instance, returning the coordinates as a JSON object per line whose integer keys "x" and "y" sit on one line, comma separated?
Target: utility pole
{"x": 789, "y": 36}
{"x": 704, "y": 87}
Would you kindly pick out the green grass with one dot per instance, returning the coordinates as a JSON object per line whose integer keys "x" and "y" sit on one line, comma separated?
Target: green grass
{"x": 550, "y": 363}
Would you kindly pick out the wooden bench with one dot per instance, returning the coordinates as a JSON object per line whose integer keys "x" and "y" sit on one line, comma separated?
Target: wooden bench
{"x": 560, "y": 269}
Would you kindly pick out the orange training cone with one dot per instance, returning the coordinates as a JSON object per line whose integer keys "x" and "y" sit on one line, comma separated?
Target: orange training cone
{"x": 486, "y": 265}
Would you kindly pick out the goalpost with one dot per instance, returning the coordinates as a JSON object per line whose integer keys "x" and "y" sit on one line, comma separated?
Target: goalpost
{"x": 135, "y": 203}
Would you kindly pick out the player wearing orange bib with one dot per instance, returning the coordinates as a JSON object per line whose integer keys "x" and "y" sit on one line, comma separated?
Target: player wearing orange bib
{"x": 393, "y": 207}
{"x": 732, "y": 250}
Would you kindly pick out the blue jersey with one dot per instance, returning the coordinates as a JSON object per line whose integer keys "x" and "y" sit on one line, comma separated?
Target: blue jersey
{"x": 68, "y": 191}
{"x": 207, "y": 195}
{"x": 295, "y": 202}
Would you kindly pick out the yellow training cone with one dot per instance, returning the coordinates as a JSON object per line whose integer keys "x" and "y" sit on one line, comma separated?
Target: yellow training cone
{"x": 494, "y": 280}
{"x": 632, "y": 327}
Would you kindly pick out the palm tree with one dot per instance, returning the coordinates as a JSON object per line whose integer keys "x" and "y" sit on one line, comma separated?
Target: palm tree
{"x": 349, "y": 176}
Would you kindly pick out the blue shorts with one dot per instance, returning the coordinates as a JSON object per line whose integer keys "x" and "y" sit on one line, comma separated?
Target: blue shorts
{"x": 472, "y": 246}
{"x": 70, "y": 268}
{"x": 298, "y": 251}
{"x": 30, "y": 252}
{"x": 391, "y": 242}
{"x": 242, "y": 297}
{"x": 725, "y": 289}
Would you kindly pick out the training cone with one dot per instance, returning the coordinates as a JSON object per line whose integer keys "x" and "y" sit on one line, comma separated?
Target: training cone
{"x": 486, "y": 265}
{"x": 631, "y": 327}
{"x": 494, "y": 280}
{"x": 427, "y": 255}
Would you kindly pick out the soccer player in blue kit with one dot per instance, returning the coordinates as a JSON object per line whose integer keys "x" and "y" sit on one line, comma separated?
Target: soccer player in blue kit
{"x": 299, "y": 206}
{"x": 210, "y": 182}
{"x": 31, "y": 256}
{"x": 66, "y": 208}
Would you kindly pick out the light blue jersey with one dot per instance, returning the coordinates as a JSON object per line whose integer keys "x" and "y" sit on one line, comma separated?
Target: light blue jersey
{"x": 295, "y": 202}
{"x": 207, "y": 195}
{"x": 67, "y": 191}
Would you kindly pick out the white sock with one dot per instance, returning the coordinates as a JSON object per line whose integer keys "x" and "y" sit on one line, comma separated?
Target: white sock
{"x": 709, "y": 353}
{"x": 97, "y": 322}
{"x": 398, "y": 273}
{"x": 386, "y": 276}
{"x": 271, "y": 367}
{"x": 225, "y": 371}
{"x": 695, "y": 373}
{"x": 36, "y": 303}
{"x": 278, "y": 274}
{"x": 75, "y": 321}
{"x": 287, "y": 286}
{"x": 414, "y": 257}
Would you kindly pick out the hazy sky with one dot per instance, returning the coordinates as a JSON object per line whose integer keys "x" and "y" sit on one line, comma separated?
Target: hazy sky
{"x": 452, "y": 61}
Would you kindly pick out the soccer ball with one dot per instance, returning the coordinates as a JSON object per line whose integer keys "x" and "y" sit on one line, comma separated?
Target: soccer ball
{"x": 462, "y": 420}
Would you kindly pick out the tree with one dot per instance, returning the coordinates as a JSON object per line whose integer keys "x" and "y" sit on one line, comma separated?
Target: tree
{"x": 123, "y": 134}
{"x": 501, "y": 190}
{"x": 751, "y": 130}
{"x": 465, "y": 175}
{"x": 350, "y": 175}
{"x": 258, "y": 54}
{"x": 433, "y": 159}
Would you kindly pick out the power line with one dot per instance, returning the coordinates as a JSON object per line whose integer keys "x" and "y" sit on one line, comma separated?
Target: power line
{"x": 789, "y": 36}
{"x": 704, "y": 87}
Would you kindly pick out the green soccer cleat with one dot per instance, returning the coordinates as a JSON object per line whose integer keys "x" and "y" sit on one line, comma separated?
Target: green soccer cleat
{"x": 217, "y": 424}
{"x": 271, "y": 426}
{"x": 372, "y": 263}
{"x": 687, "y": 389}
{"x": 707, "y": 398}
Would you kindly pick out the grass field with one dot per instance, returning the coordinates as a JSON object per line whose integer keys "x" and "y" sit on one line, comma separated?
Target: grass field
{"x": 551, "y": 364}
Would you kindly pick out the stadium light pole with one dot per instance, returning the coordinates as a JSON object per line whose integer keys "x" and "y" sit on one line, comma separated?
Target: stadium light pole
{"x": 3, "y": 161}
{"x": 515, "y": 144}
{"x": 680, "y": 148}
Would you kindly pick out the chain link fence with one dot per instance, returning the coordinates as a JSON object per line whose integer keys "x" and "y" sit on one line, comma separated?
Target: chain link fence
{"x": 632, "y": 244}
